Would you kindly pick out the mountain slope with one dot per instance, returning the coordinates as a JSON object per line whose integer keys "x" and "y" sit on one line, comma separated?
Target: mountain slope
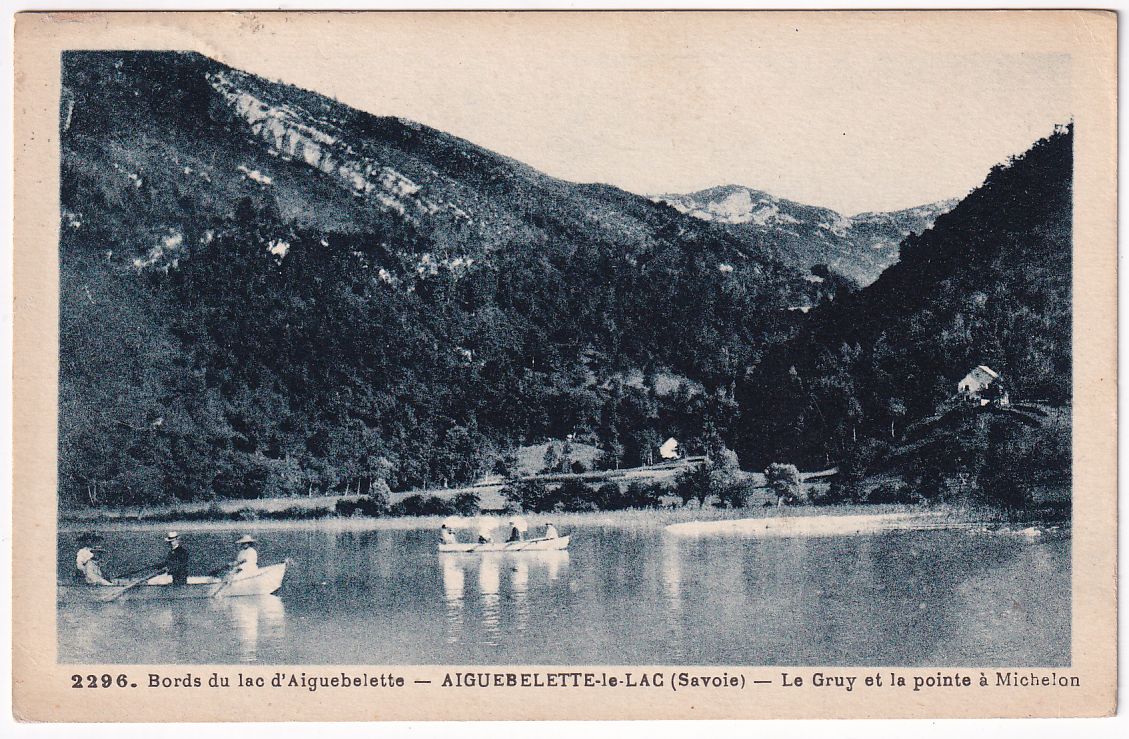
{"x": 859, "y": 247}
{"x": 159, "y": 134}
{"x": 266, "y": 292}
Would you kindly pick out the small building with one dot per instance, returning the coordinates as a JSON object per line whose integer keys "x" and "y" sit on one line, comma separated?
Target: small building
{"x": 983, "y": 385}
{"x": 669, "y": 449}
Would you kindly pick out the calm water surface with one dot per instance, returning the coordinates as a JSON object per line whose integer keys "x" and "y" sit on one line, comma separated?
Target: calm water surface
{"x": 622, "y": 595}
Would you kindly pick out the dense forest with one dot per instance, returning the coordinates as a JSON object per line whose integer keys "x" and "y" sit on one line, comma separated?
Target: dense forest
{"x": 989, "y": 284}
{"x": 264, "y": 292}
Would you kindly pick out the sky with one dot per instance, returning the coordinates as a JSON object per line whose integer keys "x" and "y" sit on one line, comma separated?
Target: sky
{"x": 885, "y": 113}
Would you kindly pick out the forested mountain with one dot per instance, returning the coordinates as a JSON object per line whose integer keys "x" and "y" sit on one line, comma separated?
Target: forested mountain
{"x": 264, "y": 291}
{"x": 989, "y": 284}
{"x": 858, "y": 247}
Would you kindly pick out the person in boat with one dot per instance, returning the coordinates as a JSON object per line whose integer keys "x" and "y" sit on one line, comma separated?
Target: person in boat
{"x": 247, "y": 560}
{"x": 551, "y": 531}
{"x": 176, "y": 561}
{"x": 84, "y": 555}
{"x": 92, "y": 569}
{"x": 485, "y": 536}
{"x": 446, "y": 535}
{"x": 515, "y": 533}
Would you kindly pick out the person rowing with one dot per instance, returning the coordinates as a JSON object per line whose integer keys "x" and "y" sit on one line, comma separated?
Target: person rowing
{"x": 518, "y": 527}
{"x": 485, "y": 534}
{"x": 84, "y": 554}
{"x": 176, "y": 561}
{"x": 247, "y": 560}
{"x": 446, "y": 535}
{"x": 550, "y": 531}
{"x": 92, "y": 570}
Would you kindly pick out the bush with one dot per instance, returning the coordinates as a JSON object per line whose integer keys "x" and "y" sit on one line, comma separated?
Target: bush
{"x": 372, "y": 505}
{"x": 713, "y": 478}
{"x": 642, "y": 495}
{"x": 529, "y": 496}
{"x": 417, "y": 505}
{"x": 889, "y": 493}
{"x": 368, "y": 505}
{"x": 734, "y": 494}
{"x": 466, "y": 504}
{"x": 298, "y": 513}
{"x": 345, "y": 507}
{"x": 841, "y": 490}
{"x": 574, "y": 495}
{"x": 247, "y": 514}
{"x": 784, "y": 481}
{"x": 577, "y": 505}
{"x": 609, "y": 497}
{"x": 693, "y": 483}
{"x": 505, "y": 464}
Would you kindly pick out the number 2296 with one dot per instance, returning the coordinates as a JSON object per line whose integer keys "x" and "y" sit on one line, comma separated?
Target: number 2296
{"x": 99, "y": 681}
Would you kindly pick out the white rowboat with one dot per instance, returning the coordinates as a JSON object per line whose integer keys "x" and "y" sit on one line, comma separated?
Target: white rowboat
{"x": 529, "y": 545}
{"x": 261, "y": 581}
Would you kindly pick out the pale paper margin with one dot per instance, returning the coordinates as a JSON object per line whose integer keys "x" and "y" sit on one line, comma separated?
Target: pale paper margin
{"x": 41, "y": 689}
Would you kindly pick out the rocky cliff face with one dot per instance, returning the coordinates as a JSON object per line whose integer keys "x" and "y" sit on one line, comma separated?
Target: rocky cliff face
{"x": 860, "y": 246}
{"x": 173, "y": 142}
{"x": 290, "y": 136}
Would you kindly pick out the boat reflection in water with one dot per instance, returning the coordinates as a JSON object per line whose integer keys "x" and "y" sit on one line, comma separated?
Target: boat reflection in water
{"x": 261, "y": 616}
{"x": 238, "y": 629}
{"x": 506, "y": 582}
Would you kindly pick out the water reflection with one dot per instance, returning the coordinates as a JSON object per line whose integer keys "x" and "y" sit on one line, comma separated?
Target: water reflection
{"x": 628, "y": 596}
{"x": 508, "y": 586}
{"x": 453, "y": 583}
{"x": 248, "y": 615}
{"x": 672, "y": 572}
{"x": 520, "y": 584}
{"x": 672, "y": 588}
{"x": 489, "y": 586}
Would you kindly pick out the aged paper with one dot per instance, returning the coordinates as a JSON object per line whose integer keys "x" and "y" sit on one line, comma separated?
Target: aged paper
{"x": 340, "y": 395}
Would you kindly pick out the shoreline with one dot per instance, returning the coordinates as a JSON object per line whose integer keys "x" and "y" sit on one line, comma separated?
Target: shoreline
{"x": 894, "y": 517}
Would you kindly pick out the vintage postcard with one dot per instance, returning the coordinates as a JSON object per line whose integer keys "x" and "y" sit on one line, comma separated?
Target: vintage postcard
{"x": 584, "y": 365}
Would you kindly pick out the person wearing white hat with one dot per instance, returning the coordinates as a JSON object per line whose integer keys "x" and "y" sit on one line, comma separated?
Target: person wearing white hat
{"x": 176, "y": 561}
{"x": 248, "y": 558}
{"x": 92, "y": 570}
{"x": 84, "y": 554}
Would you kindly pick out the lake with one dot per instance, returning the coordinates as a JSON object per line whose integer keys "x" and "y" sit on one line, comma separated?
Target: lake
{"x": 623, "y": 594}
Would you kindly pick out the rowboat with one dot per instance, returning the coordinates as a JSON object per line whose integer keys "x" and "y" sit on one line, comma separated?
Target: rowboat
{"x": 261, "y": 581}
{"x": 529, "y": 545}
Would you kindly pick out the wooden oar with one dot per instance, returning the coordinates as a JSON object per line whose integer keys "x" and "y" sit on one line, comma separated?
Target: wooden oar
{"x": 125, "y": 589}
{"x": 224, "y": 583}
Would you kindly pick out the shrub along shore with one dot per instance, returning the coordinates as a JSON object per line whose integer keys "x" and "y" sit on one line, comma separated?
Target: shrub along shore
{"x": 706, "y": 492}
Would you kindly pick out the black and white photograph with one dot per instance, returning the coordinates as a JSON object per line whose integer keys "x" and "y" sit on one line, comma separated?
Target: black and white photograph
{"x": 570, "y": 342}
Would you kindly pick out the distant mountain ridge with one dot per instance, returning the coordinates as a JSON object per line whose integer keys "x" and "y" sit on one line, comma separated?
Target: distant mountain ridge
{"x": 859, "y": 247}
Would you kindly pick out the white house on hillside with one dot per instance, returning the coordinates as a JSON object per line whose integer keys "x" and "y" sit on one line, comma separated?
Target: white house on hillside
{"x": 669, "y": 449}
{"x": 983, "y": 384}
